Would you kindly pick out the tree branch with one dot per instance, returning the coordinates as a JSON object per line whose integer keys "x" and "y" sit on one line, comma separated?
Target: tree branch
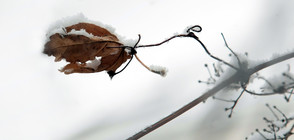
{"x": 185, "y": 108}
{"x": 271, "y": 62}
{"x": 235, "y": 78}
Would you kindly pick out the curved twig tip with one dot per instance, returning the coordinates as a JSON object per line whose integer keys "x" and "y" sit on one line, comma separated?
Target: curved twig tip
{"x": 135, "y": 46}
{"x": 195, "y": 28}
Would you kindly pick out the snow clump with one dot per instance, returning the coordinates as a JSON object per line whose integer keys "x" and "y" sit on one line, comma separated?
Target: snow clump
{"x": 59, "y": 27}
{"x": 159, "y": 70}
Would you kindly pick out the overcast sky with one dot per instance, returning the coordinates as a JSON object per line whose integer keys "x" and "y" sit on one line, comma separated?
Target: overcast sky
{"x": 37, "y": 102}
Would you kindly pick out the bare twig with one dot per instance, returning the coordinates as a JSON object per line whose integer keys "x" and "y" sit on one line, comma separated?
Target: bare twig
{"x": 165, "y": 41}
{"x": 234, "y": 105}
{"x": 239, "y": 62}
{"x": 192, "y": 35}
{"x": 288, "y": 98}
{"x": 276, "y": 116}
{"x": 206, "y": 50}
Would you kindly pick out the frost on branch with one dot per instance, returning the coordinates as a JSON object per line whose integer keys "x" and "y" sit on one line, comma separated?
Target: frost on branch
{"x": 219, "y": 71}
{"x": 246, "y": 72}
{"x": 281, "y": 83}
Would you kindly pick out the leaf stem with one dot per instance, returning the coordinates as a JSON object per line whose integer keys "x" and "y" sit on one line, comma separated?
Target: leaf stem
{"x": 142, "y": 62}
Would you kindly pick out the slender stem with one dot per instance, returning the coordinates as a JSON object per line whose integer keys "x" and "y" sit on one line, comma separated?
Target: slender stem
{"x": 135, "y": 46}
{"x": 239, "y": 62}
{"x": 273, "y": 128}
{"x": 272, "y": 62}
{"x": 276, "y": 116}
{"x": 192, "y": 35}
{"x": 286, "y": 118}
{"x": 288, "y": 98}
{"x": 210, "y": 75}
{"x": 261, "y": 134}
{"x": 157, "y": 44}
{"x": 206, "y": 50}
{"x": 125, "y": 65}
{"x": 258, "y": 94}
{"x": 269, "y": 83}
{"x": 142, "y": 62}
{"x": 235, "y": 103}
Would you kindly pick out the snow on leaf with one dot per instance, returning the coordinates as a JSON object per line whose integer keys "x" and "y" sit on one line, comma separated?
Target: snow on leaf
{"x": 59, "y": 26}
{"x": 83, "y": 42}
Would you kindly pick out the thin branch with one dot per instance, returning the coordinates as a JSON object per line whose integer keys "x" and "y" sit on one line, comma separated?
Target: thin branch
{"x": 288, "y": 76}
{"x": 234, "y": 105}
{"x": 288, "y": 98}
{"x": 184, "y": 108}
{"x": 276, "y": 116}
{"x": 207, "y": 68}
{"x": 270, "y": 93}
{"x": 139, "y": 39}
{"x": 266, "y": 82}
{"x": 165, "y": 41}
{"x": 142, "y": 62}
{"x": 239, "y": 62}
{"x": 209, "y": 93}
{"x": 192, "y": 35}
{"x": 271, "y": 62}
{"x": 206, "y": 50}
{"x": 260, "y": 134}
{"x": 285, "y": 117}
{"x": 210, "y": 75}
{"x": 112, "y": 73}
{"x": 218, "y": 71}
{"x": 274, "y": 130}
{"x": 287, "y": 135}
{"x": 258, "y": 94}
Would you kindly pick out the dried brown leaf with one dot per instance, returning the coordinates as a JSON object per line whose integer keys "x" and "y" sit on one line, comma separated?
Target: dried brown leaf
{"x": 81, "y": 51}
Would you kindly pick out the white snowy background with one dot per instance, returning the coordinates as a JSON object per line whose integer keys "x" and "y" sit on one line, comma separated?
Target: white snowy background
{"x": 37, "y": 102}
